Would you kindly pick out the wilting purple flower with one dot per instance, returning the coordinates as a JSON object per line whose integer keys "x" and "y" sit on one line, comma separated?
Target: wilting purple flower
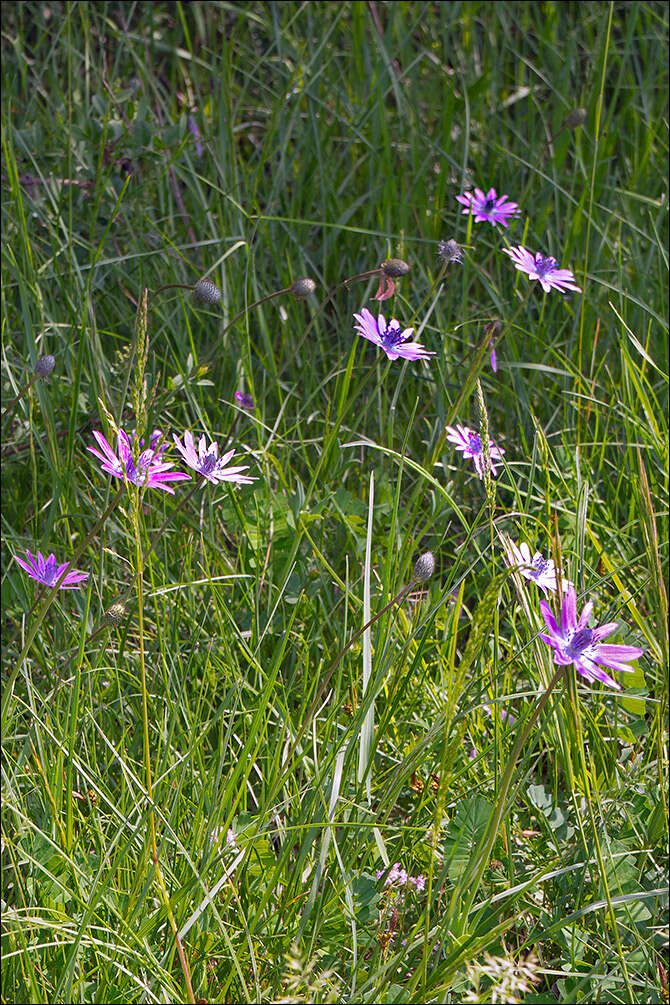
{"x": 207, "y": 462}
{"x": 390, "y": 337}
{"x": 537, "y": 569}
{"x": 245, "y": 400}
{"x": 573, "y": 642}
{"x": 195, "y": 133}
{"x": 386, "y": 288}
{"x": 150, "y": 471}
{"x": 470, "y": 443}
{"x": 488, "y": 207}
{"x": 48, "y": 571}
{"x": 544, "y": 268}
{"x": 450, "y": 251}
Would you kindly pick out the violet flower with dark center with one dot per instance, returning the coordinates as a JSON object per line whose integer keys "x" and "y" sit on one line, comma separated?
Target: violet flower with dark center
{"x": 207, "y": 462}
{"x": 470, "y": 444}
{"x": 488, "y": 207}
{"x": 149, "y": 471}
{"x": 391, "y": 337}
{"x": 48, "y": 571}
{"x": 574, "y": 642}
{"x": 544, "y": 268}
{"x": 537, "y": 569}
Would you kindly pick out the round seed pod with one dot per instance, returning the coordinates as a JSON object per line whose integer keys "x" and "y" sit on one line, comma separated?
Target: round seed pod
{"x": 206, "y": 292}
{"x": 424, "y": 567}
{"x": 575, "y": 118}
{"x": 394, "y": 268}
{"x": 44, "y": 366}
{"x": 302, "y": 287}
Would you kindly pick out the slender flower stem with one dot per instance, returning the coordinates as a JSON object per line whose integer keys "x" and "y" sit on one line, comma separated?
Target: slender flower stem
{"x": 11, "y": 405}
{"x": 596, "y": 840}
{"x": 171, "y": 286}
{"x": 139, "y": 578}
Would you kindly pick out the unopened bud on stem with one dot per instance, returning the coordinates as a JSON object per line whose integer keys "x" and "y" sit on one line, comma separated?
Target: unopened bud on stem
{"x": 424, "y": 567}
{"x": 302, "y": 287}
{"x": 206, "y": 292}
{"x": 44, "y": 366}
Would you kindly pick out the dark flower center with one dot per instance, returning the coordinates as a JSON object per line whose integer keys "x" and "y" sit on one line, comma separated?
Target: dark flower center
{"x": 489, "y": 204}
{"x": 392, "y": 336}
{"x": 544, "y": 264}
{"x": 50, "y": 570}
{"x": 208, "y": 462}
{"x": 475, "y": 443}
{"x": 540, "y": 566}
{"x": 580, "y": 641}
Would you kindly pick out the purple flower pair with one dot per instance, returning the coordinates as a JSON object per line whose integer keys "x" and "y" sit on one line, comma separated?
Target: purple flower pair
{"x": 153, "y": 472}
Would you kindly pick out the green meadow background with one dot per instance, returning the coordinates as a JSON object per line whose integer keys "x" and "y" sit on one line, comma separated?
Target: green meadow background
{"x": 198, "y": 796}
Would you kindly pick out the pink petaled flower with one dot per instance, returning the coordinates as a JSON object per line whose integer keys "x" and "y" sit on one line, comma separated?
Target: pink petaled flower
{"x": 390, "y": 337}
{"x": 207, "y": 463}
{"x": 396, "y": 875}
{"x": 150, "y": 471}
{"x": 419, "y": 882}
{"x": 574, "y": 643}
{"x": 543, "y": 267}
{"x": 48, "y": 571}
{"x": 537, "y": 569}
{"x": 488, "y": 207}
{"x": 470, "y": 443}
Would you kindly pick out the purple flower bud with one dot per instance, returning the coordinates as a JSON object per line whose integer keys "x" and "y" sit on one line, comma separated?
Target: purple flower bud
{"x": 44, "y": 366}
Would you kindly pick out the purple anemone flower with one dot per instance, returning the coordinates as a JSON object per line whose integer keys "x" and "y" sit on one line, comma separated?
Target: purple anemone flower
{"x": 470, "y": 443}
{"x": 245, "y": 400}
{"x": 544, "y": 268}
{"x": 537, "y": 569}
{"x": 573, "y": 642}
{"x": 48, "y": 571}
{"x": 207, "y": 462}
{"x": 488, "y": 207}
{"x": 390, "y": 337}
{"x": 149, "y": 471}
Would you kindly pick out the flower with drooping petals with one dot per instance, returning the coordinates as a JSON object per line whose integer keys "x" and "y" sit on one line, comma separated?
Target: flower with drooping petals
{"x": 470, "y": 443}
{"x": 207, "y": 462}
{"x": 537, "y": 569}
{"x": 149, "y": 471}
{"x": 488, "y": 207}
{"x": 543, "y": 267}
{"x": 391, "y": 337}
{"x": 573, "y": 642}
{"x": 48, "y": 571}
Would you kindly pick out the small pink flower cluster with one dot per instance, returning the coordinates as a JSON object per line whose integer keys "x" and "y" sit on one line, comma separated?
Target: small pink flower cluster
{"x": 399, "y": 876}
